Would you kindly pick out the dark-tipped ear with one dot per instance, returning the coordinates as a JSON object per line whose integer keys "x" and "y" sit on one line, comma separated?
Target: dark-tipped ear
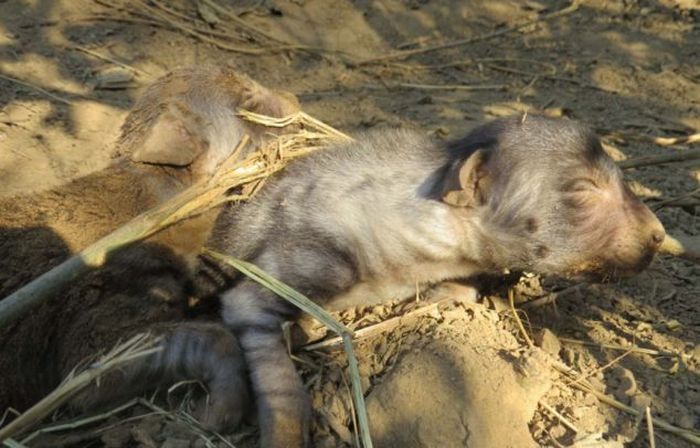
{"x": 465, "y": 180}
{"x": 175, "y": 138}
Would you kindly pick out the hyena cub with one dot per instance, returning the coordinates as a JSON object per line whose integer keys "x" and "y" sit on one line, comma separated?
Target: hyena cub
{"x": 366, "y": 221}
{"x": 180, "y": 130}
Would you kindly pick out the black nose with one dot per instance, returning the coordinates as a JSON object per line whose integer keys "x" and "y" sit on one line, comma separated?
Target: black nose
{"x": 657, "y": 237}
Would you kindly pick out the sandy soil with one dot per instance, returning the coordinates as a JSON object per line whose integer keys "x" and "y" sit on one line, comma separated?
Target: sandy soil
{"x": 628, "y": 68}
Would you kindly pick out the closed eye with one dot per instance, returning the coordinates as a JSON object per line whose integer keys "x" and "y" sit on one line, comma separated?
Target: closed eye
{"x": 581, "y": 185}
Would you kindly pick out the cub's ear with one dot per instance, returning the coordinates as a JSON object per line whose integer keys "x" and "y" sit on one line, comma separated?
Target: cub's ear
{"x": 465, "y": 181}
{"x": 176, "y": 137}
{"x": 264, "y": 101}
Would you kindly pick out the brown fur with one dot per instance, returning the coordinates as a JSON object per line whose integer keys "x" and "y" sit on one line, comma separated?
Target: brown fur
{"x": 186, "y": 122}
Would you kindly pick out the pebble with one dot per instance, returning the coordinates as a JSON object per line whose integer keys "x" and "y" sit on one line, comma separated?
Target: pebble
{"x": 548, "y": 342}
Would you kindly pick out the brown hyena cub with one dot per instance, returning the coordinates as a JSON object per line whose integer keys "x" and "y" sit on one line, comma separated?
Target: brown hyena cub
{"x": 180, "y": 130}
{"x": 367, "y": 221}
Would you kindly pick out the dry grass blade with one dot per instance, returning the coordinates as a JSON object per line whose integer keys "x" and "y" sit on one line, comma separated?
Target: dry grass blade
{"x": 37, "y": 88}
{"x": 81, "y": 422}
{"x": 462, "y": 42}
{"x": 305, "y": 304}
{"x": 650, "y": 427}
{"x": 686, "y": 434}
{"x": 380, "y": 327}
{"x": 521, "y": 327}
{"x": 247, "y": 174}
{"x": 137, "y": 347}
{"x": 680, "y": 156}
{"x": 281, "y": 289}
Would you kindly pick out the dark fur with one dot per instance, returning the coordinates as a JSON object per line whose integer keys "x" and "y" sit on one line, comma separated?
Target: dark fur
{"x": 366, "y": 221}
{"x": 180, "y": 130}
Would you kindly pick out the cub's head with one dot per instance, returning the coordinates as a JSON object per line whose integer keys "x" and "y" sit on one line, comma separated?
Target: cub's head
{"x": 187, "y": 119}
{"x": 548, "y": 199}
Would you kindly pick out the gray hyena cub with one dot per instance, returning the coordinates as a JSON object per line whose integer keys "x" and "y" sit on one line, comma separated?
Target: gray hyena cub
{"x": 367, "y": 221}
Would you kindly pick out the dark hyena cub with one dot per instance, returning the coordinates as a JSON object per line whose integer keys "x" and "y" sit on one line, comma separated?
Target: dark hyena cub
{"x": 367, "y": 221}
{"x": 178, "y": 133}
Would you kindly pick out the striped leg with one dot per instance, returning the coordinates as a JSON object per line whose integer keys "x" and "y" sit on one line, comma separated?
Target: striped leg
{"x": 205, "y": 352}
{"x": 284, "y": 411}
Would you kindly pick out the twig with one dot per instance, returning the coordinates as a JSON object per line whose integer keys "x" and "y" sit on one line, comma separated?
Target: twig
{"x": 632, "y": 349}
{"x": 137, "y": 347}
{"x": 679, "y": 200}
{"x": 194, "y": 33}
{"x": 560, "y": 417}
{"x": 680, "y": 156}
{"x": 380, "y": 327}
{"x": 109, "y": 59}
{"x": 37, "y": 88}
{"x": 511, "y": 301}
{"x": 78, "y": 423}
{"x": 465, "y": 87}
{"x": 243, "y": 23}
{"x": 550, "y": 77}
{"x": 550, "y": 298}
{"x": 200, "y": 197}
{"x": 650, "y": 427}
{"x": 584, "y": 377}
{"x": 458, "y": 43}
{"x": 689, "y": 435}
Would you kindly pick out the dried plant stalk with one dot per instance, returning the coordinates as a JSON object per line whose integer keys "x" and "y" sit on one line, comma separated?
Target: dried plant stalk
{"x": 248, "y": 173}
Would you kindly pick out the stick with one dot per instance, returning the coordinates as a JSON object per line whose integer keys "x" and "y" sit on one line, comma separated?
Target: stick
{"x": 521, "y": 327}
{"x": 37, "y": 88}
{"x": 682, "y": 200}
{"x": 650, "y": 427}
{"x": 560, "y": 417}
{"x": 689, "y": 435}
{"x": 380, "y": 327}
{"x": 633, "y": 348}
{"x": 458, "y": 43}
{"x": 137, "y": 347}
{"x": 465, "y": 87}
{"x": 193, "y": 201}
{"x": 550, "y": 298}
{"x": 550, "y": 77}
{"x": 682, "y": 247}
{"x": 109, "y": 59}
{"x": 637, "y": 162}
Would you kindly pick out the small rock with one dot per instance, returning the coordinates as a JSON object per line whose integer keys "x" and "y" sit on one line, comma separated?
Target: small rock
{"x": 207, "y": 13}
{"x": 113, "y": 78}
{"x": 673, "y": 325}
{"x": 548, "y": 342}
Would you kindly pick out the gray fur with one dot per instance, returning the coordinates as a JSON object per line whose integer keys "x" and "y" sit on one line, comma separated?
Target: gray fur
{"x": 364, "y": 222}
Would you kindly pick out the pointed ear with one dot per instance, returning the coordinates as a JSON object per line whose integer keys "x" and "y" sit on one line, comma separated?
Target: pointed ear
{"x": 465, "y": 181}
{"x": 175, "y": 138}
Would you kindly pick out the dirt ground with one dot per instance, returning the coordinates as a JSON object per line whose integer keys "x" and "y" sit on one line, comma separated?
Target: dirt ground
{"x": 455, "y": 374}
